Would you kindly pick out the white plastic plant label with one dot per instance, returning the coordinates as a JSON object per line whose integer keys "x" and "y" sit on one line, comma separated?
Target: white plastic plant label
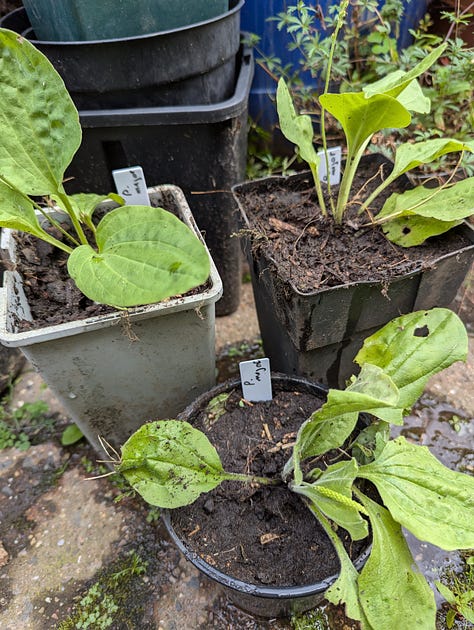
{"x": 256, "y": 380}
{"x": 131, "y": 185}
{"x": 334, "y": 159}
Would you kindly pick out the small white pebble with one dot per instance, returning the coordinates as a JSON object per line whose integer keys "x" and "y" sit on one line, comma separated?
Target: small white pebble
{"x": 61, "y": 542}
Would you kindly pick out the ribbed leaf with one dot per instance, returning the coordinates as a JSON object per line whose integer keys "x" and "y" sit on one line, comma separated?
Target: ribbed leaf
{"x": 392, "y": 590}
{"x": 145, "y": 255}
{"x": 169, "y": 463}
{"x": 435, "y": 503}
{"x": 39, "y": 124}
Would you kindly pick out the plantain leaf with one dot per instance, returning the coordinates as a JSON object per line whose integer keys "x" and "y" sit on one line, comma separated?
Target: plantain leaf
{"x": 295, "y": 127}
{"x": 145, "y": 255}
{"x": 423, "y": 212}
{"x": 331, "y": 425}
{"x": 411, "y": 97}
{"x": 435, "y": 503}
{"x": 411, "y": 155}
{"x": 391, "y": 588}
{"x": 413, "y": 347}
{"x": 361, "y": 117}
{"x": 39, "y": 124}
{"x": 169, "y": 463}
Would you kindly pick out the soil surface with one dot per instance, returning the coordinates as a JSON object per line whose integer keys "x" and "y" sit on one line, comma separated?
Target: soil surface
{"x": 262, "y": 535}
{"x": 312, "y": 252}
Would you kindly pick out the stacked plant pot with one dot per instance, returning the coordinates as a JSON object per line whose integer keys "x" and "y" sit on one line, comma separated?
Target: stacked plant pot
{"x": 171, "y": 98}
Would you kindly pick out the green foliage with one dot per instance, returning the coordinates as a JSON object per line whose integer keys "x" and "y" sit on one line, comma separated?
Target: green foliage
{"x": 9, "y": 438}
{"x": 40, "y": 133}
{"x": 71, "y": 435}
{"x": 100, "y": 607}
{"x": 352, "y": 53}
{"x": 312, "y": 620}
{"x": 458, "y": 591}
{"x": 411, "y": 217}
{"x": 169, "y": 463}
{"x": 18, "y": 426}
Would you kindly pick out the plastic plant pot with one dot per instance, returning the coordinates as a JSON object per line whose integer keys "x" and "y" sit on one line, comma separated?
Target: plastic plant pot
{"x": 65, "y": 20}
{"x": 200, "y": 148}
{"x": 109, "y": 381}
{"x": 318, "y": 333}
{"x": 262, "y": 601}
{"x": 191, "y": 65}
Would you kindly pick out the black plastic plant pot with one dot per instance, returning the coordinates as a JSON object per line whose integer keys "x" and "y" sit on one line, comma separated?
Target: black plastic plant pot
{"x": 194, "y": 64}
{"x": 318, "y": 333}
{"x": 200, "y": 148}
{"x": 261, "y": 601}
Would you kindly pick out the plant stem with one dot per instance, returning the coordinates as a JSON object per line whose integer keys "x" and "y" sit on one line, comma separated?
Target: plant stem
{"x": 265, "y": 481}
{"x": 352, "y": 165}
{"x": 340, "y": 23}
{"x": 75, "y": 221}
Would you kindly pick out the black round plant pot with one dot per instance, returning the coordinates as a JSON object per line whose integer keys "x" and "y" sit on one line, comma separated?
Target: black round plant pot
{"x": 259, "y": 600}
{"x": 195, "y": 64}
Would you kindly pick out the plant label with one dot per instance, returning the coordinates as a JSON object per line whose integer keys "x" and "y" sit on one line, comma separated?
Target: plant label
{"x": 334, "y": 160}
{"x": 256, "y": 381}
{"x": 131, "y": 185}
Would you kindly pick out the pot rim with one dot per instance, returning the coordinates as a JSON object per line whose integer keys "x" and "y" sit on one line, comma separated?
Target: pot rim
{"x": 235, "y": 584}
{"x": 121, "y": 40}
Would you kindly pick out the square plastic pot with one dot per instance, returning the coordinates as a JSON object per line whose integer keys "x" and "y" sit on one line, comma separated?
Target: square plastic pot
{"x": 200, "y": 148}
{"x": 115, "y": 371}
{"x": 318, "y": 334}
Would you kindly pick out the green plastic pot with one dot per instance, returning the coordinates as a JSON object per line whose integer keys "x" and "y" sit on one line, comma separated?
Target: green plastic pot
{"x": 75, "y": 20}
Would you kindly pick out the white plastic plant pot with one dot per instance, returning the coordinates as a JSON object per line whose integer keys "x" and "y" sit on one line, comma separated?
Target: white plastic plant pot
{"x": 115, "y": 371}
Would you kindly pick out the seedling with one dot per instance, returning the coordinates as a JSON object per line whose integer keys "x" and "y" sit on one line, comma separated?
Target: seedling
{"x": 169, "y": 463}
{"x": 134, "y": 255}
{"x": 409, "y": 218}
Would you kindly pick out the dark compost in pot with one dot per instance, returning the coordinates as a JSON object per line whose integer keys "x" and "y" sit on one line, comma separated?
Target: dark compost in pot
{"x": 255, "y": 539}
{"x": 313, "y": 253}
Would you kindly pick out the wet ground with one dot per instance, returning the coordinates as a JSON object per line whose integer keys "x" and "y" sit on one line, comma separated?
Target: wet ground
{"x": 71, "y": 556}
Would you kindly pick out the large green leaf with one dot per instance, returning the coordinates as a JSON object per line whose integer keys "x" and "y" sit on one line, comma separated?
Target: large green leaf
{"x": 331, "y": 425}
{"x": 145, "y": 255}
{"x": 298, "y": 128}
{"x": 411, "y": 230}
{"x": 361, "y": 117}
{"x": 435, "y": 503}
{"x": 413, "y": 347}
{"x": 332, "y": 493}
{"x": 169, "y": 463}
{"x": 423, "y": 212}
{"x": 39, "y": 125}
{"x": 392, "y": 591}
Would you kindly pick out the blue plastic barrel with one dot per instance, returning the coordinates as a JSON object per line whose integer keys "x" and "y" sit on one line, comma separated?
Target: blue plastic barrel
{"x": 254, "y": 19}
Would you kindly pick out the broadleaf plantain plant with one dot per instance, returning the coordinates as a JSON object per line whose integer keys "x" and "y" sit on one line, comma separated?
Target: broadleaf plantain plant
{"x": 137, "y": 254}
{"x": 169, "y": 463}
{"x": 409, "y": 218}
